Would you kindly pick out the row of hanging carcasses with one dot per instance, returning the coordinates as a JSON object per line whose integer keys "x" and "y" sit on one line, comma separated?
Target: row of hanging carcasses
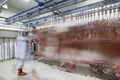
{"x": 96, "y": 30}
{"x": 103, "y": 36}
{"x": 97, "y": 24}
{"x": 105, "y": 30}
{"x": 107, "y": 12}
{"x": 97, "y": 37}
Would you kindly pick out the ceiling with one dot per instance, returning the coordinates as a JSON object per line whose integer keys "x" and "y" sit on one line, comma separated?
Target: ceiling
{"x": 22, "y": 5}
{"x": 17, "y": 6}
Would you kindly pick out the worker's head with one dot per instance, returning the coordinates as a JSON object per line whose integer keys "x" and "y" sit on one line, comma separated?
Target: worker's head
{"x": 24, "y": 33}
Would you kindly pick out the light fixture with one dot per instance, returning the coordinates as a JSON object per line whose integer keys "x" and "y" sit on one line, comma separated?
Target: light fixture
{"x": 26, "y": 0}
{"x": 5, "y": 6}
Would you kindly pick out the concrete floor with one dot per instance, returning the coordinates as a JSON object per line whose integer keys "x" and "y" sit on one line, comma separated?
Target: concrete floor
{"x": 43, "y": 72}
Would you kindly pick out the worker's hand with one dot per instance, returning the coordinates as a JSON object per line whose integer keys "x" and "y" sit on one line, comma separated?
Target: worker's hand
{"x": 35, "y": 40}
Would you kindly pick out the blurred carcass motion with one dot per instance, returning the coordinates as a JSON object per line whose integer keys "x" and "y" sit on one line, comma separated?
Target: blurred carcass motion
{"x": 95, "y": 41}
{"x": 96, "y": 44}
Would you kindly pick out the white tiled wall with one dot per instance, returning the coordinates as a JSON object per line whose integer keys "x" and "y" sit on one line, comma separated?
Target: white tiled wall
{"x": 6, "y": 48}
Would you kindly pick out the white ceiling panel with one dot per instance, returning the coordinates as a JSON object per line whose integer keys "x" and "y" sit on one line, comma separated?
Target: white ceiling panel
{"x": 22, "y": 4}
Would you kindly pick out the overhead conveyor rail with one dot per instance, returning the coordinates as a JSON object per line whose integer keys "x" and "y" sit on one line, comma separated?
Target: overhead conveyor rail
{"x": 91, "y": 6}
{"x": 38, "y": 8}
{"x": 52, "y": 5}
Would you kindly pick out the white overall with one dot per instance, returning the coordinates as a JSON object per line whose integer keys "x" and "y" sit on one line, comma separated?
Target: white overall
{"x": 22, "y": 49}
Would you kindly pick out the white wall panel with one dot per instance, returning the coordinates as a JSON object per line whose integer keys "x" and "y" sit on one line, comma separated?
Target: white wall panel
{"x": 11, "y": 48}
{"x": 6, "y": 52}
{"x": 4, "y": 33}
{"x": 7, "y": 48}
{"x": 0, "y": 50}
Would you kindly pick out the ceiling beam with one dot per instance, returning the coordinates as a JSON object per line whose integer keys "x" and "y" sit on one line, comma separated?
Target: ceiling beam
{"x": 2, "y": 2}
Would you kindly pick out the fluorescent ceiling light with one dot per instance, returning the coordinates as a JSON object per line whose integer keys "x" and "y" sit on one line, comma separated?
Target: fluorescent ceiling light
{"x": 12, "y": 28}
{"x": 26, "y": 0}
{"x": 5, "y": 6}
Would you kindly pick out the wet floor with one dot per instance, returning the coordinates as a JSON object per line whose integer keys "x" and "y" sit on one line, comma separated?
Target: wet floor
{"x": 83, "y": 70}
{"x": 45, "y": 70}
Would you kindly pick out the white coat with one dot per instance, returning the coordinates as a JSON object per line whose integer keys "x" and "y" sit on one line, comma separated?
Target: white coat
{"x": 22, "y": 47}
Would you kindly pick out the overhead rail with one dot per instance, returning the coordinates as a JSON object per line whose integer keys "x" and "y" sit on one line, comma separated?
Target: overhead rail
{"x": 46, "y": 7}
{"x": 38, "y": 21}
{"x": 56, "y": 8}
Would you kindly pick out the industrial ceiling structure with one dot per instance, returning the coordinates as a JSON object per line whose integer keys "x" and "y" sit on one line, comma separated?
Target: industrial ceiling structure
{"x": 44, "y": 7}
{"x": 34, "y": 11}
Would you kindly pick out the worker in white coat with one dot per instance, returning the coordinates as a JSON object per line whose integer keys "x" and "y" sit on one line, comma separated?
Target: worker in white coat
{"x": 23, "y": 51}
